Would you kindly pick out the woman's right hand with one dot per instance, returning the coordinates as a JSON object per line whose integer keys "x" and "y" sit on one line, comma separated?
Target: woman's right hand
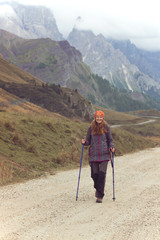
{"x": 83, "y": 141}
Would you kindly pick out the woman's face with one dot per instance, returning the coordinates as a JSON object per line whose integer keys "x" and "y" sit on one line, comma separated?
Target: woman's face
{"x": 99, "y": 119}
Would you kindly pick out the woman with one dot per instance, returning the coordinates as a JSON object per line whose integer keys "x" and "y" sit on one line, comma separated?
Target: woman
{"x": 99, "y": 138}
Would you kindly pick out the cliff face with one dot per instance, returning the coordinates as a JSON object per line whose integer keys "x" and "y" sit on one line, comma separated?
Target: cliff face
{"x": 29, "y": 21}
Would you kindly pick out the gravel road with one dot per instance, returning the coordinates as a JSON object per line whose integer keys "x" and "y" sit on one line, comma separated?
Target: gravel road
{"x": 46, "y": 208}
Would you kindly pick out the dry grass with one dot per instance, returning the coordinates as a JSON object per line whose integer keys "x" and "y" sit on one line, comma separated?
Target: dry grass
{"x": 10, "y": 170}
{"x": 150, "y": 112}
{"x": 11, "y": 73}
{"x": 154, "y": 139}
{"x": 11, "y": 103}
{"x": 6, "y": 172}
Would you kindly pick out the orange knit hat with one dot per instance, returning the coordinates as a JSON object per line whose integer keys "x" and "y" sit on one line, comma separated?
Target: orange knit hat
{"x": 99, "y": 113}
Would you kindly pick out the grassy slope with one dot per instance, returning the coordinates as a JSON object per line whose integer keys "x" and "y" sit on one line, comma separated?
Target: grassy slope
{"x": 150, "y": 112}
{"x": 34, "y": 141}
{"x": 10, "y": 73}
{"x": 38, "y": 143}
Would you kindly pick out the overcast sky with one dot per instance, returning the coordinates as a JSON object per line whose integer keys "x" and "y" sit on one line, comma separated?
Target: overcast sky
{"x": 137, "y": 20}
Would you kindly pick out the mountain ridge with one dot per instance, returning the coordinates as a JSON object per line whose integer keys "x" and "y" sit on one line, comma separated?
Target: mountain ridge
{"x": 59, "y": 63}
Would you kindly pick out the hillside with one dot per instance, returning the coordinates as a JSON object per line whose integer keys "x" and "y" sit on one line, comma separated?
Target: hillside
{"x": 10, "y": 73}
{"x": 54, "y": 98}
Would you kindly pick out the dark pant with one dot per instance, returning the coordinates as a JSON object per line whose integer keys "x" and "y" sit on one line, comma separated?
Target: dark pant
{"x": 98, "y": 174}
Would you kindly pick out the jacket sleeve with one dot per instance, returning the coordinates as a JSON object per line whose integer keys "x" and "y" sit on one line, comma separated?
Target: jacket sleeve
{"x": 109, "y": 138}
{"x": 88, "y": 137}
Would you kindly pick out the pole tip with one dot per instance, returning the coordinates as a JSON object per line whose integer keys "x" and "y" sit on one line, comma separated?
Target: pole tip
{"x": 113, "y": 199}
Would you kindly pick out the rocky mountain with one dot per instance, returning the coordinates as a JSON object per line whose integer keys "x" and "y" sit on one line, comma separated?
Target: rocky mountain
{"x": 29, "y": 21}
{"x": 111, "y": 63}
{"x": 147, "y": 61}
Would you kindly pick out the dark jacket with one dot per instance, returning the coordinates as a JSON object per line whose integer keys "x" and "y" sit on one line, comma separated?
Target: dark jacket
{"x": 100, "y": 145}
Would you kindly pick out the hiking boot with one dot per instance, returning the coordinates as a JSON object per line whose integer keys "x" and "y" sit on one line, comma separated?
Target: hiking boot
{"x": 99, "y": 200}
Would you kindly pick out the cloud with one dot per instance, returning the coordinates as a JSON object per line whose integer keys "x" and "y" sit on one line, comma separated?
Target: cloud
{"x": 5, "y": 9}
{"x": 136, "y": 20}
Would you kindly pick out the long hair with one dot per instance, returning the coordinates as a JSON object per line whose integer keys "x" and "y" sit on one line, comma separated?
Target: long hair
{"x": 98, "y": 129}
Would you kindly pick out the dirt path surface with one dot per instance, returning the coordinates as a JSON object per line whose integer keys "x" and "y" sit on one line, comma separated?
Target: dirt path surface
{"x": 46, "y": 208}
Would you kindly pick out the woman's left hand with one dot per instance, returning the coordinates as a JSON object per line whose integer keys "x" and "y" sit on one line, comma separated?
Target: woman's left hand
{"x": 112, "y": 150}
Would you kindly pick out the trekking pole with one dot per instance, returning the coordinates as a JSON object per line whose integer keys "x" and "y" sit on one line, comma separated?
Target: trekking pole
{"x": 112, "y": 163}
{"x": 79, "y": 172}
